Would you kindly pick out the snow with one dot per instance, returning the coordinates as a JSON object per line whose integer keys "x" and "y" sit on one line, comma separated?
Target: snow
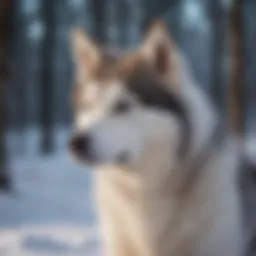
{"x": 51, "y": 211}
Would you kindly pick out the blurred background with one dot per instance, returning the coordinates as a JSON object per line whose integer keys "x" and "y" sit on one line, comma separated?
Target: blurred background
{"x": 46, "y": 206}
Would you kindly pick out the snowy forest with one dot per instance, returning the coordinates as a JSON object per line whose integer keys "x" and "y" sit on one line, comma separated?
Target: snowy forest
{"x": 40, "y": 199}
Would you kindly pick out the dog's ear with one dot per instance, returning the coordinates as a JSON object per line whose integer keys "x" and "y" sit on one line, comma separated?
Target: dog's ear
{"x": 86, "y": 54}
{"x": 157, "y": 48}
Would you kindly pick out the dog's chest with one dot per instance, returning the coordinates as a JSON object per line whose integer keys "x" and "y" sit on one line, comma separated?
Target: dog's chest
{"x": 149, "y": 223}
{"x": 121, "y": 215}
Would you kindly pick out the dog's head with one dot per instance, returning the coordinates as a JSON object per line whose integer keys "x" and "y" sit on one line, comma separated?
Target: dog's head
{"x": 126, "y": 105}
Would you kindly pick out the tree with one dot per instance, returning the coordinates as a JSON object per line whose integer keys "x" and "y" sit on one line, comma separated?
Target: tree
{"x": 6, "y": 8}
{"x": 47, "y": 75}
{"x": 237, "y": 87}
{"x": 219, "y": 27}
{"x": 98, "y": 8}
{"x": 122, "y": 19}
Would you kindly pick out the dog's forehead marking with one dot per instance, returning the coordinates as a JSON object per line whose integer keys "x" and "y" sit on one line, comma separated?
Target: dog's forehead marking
{"x": 103, "y": 100}
{"x": 98, "y": 91}
{"x": 97, "y": 95}
{"x": 113, "y": 92}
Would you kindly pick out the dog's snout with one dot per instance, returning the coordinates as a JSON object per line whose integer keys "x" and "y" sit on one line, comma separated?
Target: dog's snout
{"x": 80, "y": 144}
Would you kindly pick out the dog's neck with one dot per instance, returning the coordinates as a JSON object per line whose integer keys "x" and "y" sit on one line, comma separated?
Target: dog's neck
{"x": 151, "y": 201}
{"x": 202, "y": 115}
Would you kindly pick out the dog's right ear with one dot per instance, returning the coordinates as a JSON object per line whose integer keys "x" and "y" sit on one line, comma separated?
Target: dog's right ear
{"x": 158, "y": 48}
{"x": 86, "y": 54}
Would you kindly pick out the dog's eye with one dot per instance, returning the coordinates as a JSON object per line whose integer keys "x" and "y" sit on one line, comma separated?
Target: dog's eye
{"x": 122, "y": 107}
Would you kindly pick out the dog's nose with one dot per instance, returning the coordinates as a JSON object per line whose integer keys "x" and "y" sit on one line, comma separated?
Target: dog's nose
{"x": 80, "y": 144}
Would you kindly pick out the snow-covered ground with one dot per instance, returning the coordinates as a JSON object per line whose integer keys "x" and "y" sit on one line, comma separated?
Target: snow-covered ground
{"x": 50, "y": 212}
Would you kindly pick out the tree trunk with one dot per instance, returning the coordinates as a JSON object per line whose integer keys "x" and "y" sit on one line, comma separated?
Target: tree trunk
{"x": 218, "y": 42}
{"x": 47, "y": 75}
{"x": 6, "y": 8}
{"x": 98, "y": 8}
{"x": 237, "y": 86}
{"x": 122, "y": 19}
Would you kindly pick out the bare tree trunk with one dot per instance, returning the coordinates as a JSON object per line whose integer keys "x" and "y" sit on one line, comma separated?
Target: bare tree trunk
{"x": 6, "y": 8}
{"x": 237, "y": 86}
{"x": 99, "y": 10}
{"x": 122, "y": 19}
{"x": 47, "y": 75}
{"x": 217, "y": 76}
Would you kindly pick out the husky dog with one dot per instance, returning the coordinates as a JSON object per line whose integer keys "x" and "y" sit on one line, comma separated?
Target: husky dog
{"x": 166, "y": 174}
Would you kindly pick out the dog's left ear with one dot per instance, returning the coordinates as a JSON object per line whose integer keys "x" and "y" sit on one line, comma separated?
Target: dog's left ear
{"x": 86, "y": 54}
{"x": 158, "y": 47}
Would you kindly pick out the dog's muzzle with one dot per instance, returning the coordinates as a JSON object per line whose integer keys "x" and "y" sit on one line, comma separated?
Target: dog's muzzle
{"x": 82, "y": 149}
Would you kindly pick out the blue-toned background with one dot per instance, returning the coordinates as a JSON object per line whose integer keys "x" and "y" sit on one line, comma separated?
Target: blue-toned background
{"x": 47, "y": 208}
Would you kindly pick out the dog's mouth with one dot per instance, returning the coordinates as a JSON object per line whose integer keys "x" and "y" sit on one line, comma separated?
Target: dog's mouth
{"x": 92, "y": 159}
